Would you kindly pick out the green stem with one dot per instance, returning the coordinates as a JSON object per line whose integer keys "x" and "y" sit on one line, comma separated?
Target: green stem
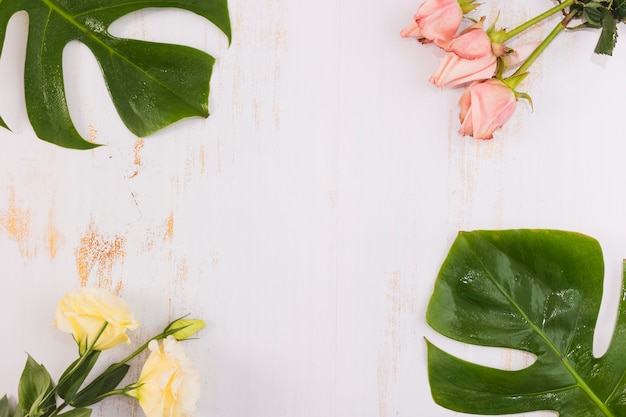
{"x": 543, "y": 45}
{"x": 120, "y": 363}
{"x": 521, "y": 28}
{"x": 135, "y": 353}
{"x": 143, "y": 347}
{"x": 116, "y": 365}
{"x": 84, "y": 356}
{"x": 74, "y": 368}
{"x": 58, "y": 409}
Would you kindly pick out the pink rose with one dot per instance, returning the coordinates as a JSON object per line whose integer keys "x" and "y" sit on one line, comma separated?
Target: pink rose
{"x": 519, "y": 54}
{"x": 435, "y": 21}
{"x": 485, "y": 107}
{"x": 454, "y": 70}
{"x": 472, "y": 43}
{"x": 471, "y": 57}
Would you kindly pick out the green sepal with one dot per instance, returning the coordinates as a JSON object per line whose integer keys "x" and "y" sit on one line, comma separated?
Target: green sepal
{"x": 5, "y": 407}
{"x": 70, "y": 386}
{"x": 515, "y": 80}
{"x": 526, "y": 97}
{"x": 468, "y": 5}
{"x": 3, "y": 124}
{"x": 34, "y": 385}
{"x": 102, "y": 385}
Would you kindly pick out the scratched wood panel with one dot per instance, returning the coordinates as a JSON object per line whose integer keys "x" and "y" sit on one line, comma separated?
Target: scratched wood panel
{"x": 306, "y": 219}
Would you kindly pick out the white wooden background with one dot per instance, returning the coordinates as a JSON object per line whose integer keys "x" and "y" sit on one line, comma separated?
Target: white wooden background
{"x": 307, "y": 218}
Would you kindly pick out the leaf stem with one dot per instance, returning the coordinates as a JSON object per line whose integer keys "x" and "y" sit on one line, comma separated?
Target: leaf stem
{"x": 521, "y": 28}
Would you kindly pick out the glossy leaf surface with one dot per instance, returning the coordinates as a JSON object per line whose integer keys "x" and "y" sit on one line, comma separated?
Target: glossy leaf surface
{"x": 538, "y": 291}
{"x": 152, "y": 85}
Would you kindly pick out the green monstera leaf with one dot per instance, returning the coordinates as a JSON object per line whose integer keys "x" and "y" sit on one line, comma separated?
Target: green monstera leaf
{"x": 152, "y": 85}
{"x": 537, "y": 291}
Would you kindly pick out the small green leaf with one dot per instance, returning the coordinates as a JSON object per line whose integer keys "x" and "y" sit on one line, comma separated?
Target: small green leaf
{"x": 608, "y": 34}
{"x": 593, "y": 15}
{"x": 19, "y": 411}
{"x": 537, "y": 291}
{"x": 152, "y": 85}
{"x": 5, "y": 407}
{"x": 103, "y": 384}
{"x": 77, "y": 412}
{"x": 70, "y": 386}
{"x": 619, "y": 6}
{"x": 33, "y": 386}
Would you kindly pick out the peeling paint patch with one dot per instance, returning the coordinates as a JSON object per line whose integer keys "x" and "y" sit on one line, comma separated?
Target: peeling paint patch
{"x": 148, "y": 242}
{"x": 401, "y": 306}
{"x": 137, "y": 162}
{"x": 138, "y": 146}
{"x": 102, "y": 251}
{"x": 333, "y": 195}
{"x": 15, "y": 221}
{"x": 169, "y": 228}
{"x": 53, "y": 236}
{"x": 215, "y": 260}
{"x": 218, "y": 168}
{"x": 202, "y": 158}
{"x": 92, "y": 133}
{"x": 183, "y": 271}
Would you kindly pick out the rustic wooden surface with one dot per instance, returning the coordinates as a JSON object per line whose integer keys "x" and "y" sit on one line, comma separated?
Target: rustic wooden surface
{"x": 306, "y": 219}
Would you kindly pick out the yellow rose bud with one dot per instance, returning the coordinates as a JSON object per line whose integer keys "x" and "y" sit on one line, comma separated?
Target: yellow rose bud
{"x": 84, "y": 312}
{"x": 168, "y": 385}
{"x": 186, "y": 328}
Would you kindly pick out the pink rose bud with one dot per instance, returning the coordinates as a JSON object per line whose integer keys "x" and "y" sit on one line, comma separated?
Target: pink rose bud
{"x": 472, "y": 43}
{"x": 519, "y": 54}
{"x": 485, "y": 107}
{"x": 435, "y": 21}
{"x": 454, "y": 70}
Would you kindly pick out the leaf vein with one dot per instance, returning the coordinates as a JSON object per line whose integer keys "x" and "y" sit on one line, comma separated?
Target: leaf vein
{"x": 579, "y": 380}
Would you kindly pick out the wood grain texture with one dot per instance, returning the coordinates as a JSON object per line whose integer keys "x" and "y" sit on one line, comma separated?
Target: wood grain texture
{"x": 307, "y": 218}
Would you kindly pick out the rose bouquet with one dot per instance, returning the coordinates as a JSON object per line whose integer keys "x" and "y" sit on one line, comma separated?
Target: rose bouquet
{"x": 489, "y": 63}
{"x": 168, "y": 385}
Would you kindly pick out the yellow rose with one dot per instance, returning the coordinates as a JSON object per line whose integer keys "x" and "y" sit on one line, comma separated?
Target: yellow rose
{"x": 84, "y": 312}
{"x": 168, "y": 385}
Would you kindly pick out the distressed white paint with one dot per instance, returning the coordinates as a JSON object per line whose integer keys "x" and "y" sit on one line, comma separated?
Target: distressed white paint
{"x": 306, "y": 219}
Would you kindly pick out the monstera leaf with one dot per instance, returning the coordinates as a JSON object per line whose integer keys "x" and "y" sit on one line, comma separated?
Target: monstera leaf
{"x": 537, "y": 291}
{"x": 152, "y": 85}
